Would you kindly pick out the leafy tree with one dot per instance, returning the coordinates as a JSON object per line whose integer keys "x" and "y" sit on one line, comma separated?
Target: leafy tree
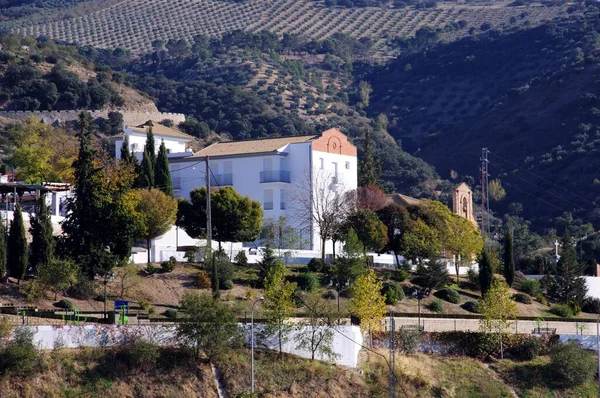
{"x": 569, "y": 286}
{"x": 315, "y": 333}
{"x": 351, "y": 264}
{"x": 464, "y": 240}
{"x": 279, "y": 302}
{"x": 115, "y": 122}
{"x": 41, "y": 250}
{"x": 235, "y": 218}
{"x": 367, "y": 303}
{"x": 369, "y": 229}
{"x": 162, "y": 175}
{"x": 509, "y": 259}
{"x": 433, "y": 275}
{"x": 17, "y": 246}
{"x": 57, "y": 275}
{"x": 157, "y": 213}
{"x": 498, "y": 310}
{"x": 420, "y": 241}
{"x": 207, "y": 325}
{"x": 3, "y": 251}
{"x": 486, "y": 273}
{"x": 370, "y": 197}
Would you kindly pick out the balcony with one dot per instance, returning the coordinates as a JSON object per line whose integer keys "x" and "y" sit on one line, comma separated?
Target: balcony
{"x": 221, "y": 180}
{"x": 336, "y": 180}
{"x": 268, "y": 205}
{"x": 274, "y": 176}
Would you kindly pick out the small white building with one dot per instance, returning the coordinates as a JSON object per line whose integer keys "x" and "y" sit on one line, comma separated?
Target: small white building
{"x": 176, "y": 142}
{"x": 276, "y": 172}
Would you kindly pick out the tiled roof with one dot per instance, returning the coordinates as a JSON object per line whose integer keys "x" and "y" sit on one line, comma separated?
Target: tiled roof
{"x": 404, "y": 200}
{"x": 251, "y": 146}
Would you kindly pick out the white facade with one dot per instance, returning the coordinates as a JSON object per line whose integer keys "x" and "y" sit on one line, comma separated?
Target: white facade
{"x": 275, "y": 172}
{"x": 175, "y": 142}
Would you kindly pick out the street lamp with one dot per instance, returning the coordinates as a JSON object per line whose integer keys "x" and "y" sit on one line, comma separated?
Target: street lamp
{"x": 106, "y": 278}
{"x": 261, "y": 298}
{"x": 420, "y": 294}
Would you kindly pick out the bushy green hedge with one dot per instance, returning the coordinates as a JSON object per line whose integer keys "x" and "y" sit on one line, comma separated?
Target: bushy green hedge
{"x": 523, "y": 298}
{"x": 562, "y": 310}
{"x": 571, "y": 365}
{"x": 449, "y": 295}
{"x": 307, "y": 282}
{"x": 392, "y": 293}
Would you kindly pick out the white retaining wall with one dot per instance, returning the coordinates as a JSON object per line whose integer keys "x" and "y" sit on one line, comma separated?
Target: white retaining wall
{"x": 346, "y": 344}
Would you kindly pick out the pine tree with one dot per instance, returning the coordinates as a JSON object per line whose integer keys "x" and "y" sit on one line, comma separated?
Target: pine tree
{"x": 486, "y": 273}
{"x": 2, "y": 251}
{"x": 17, "y": 246}
{"x": 162, "y": 175}
{"x": 569, "y": 287}
{"x": 433, "y": 275}
{"x": 42, "y": 243}
{"x": 146, "y": 176}
{"x": 509, "y": 260}
{"x": 269, "y": 260}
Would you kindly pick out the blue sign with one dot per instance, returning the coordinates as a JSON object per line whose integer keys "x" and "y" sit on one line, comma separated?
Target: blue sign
{"x": 121, "y": 305}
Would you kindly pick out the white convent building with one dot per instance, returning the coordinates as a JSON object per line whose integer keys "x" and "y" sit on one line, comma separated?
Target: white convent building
{"x": 278, "y": 172}
{"x": 176, "y": 142}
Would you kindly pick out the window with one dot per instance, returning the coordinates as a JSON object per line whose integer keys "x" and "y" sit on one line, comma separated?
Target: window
{"x": 282, "y": 199}
{"x": 268, "y": 199}
{"x": 321, "y": 163}
{"x": 347, "y": 165}
{"x": 134, "y": 147}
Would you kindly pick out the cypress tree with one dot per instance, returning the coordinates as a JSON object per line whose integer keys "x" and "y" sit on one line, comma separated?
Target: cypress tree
{"x": 2, "y": 251}
{"x": 150, "y": 146}
{"x": 17, "y": 246}
{"x": 162, "y": 177}
{"x": 42, "y": 243}
{"x": 486, "y": 273}
{"x": 509, "y": 259}
{"x": 569, "y": 286}
{"x": 146, "y": 174}
{"x": 368, "y": 173}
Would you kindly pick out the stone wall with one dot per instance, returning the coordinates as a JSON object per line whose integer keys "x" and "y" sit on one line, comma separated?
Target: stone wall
{"x": 129, "y": 118}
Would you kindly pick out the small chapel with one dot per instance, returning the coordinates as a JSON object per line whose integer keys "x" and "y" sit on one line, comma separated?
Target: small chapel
{"x": 462, "y": 202}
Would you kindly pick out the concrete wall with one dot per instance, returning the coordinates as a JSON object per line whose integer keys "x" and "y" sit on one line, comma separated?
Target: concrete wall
{"x": 129, "y": 118}
{"x": 75, "y": 336}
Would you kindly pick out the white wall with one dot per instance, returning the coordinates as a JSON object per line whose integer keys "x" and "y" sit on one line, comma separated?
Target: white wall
{"x": 75, "y": 336}
{"x": 137, "y": 142}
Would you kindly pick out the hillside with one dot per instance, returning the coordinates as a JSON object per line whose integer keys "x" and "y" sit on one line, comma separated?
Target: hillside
{"x": 136, "y": 24}
{"x": 529, "y": 96}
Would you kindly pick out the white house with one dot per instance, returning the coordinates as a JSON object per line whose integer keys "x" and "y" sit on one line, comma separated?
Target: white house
{"x": 176, "y": 142}
{"x": 276, "y": 172}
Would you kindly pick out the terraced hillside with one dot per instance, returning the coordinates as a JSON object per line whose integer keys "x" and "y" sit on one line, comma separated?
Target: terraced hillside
{"x": 135, "y": 24}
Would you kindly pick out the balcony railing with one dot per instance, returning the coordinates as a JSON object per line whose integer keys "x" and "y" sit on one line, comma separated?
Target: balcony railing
{"x": 268, "y": 205}
{"x": 221, "y": 180}
{"x": 274, "y": 176}
{"x": 336, "y": 180}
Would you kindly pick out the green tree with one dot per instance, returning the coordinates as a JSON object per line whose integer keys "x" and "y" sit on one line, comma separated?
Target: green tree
{"x": 162, "y": 175}
{"x": 282, "y": 236}
{"x": 150, "y": 147}
{"x": 126, "y": 155}
{"x": 269, "y": 260}
{"x": 17, "y": 246}
{"x": 235, "y": 218}
{"x": 351, "y": 264}
{"x": 396, "y": 220}
{"x": 207, "y": 325}
{"x": 279, "y": 302}
{"x": 509, "y": 258}
{"x": 57, "y": 275}
{"x": 486, "y": 272}
{"x": 498, "y": 310}
{"x": 433, "y": 275}
{"x": 146, "y": 176}
{"x": 315, "y": 332}
{"x": 370, "y": 230}
{"x": 369, "y": 172}
{"x": 41, "y": 250}
{"x": 157, "y": 213}
{"x": 420, "y": 241}
{"x": 367, "y": 303}
{"x": 569, "y": 286}
{"x": 464, "y": 240}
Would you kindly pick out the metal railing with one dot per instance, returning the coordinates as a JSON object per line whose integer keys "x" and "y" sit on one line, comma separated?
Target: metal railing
{"x": 222, "y": 179}
{"x": 268, "y": 205}
{"x": 274, "y": 176}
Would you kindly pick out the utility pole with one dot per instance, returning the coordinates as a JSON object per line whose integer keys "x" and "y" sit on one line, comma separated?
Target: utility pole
{"x": 485, "y": 199}
{"x": 392, "y": 357}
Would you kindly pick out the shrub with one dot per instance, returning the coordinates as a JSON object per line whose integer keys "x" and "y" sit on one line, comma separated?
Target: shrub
{"x": 83, "y": 289}
{"x": 139, "y": 354}
{"x": 523, "y": 298}
{"x": 19, "y": 356}
{"x": 526, "y": 350}
{"x": 202, "y": 280}
{"x": 562, "y": 310}
{"x": 101, "y": 297}
{"x": 436, "y": 306}
{"x": 315, "y": 265}
{"x": 473, "y": 277}
{"x": 225, "y": 284}
{"x": 330, "y": 295}
{"x": 392, "y": 293}
{"x": 169, "y": 266}
{"x": 575, "y": 307}
{"x": 151, "y": 269}
{"x": 190, "y": 256}
{"x": 471, "y": 306}
{"x": 449, "y": 295}
{"x": 241, "y": 259}
{"x": 530, "y": 287}
{"x": 307, "y": 282}
{"x": 571, "y": 365}
{"x": 346, "y": 292}
{"x": 66, "y": 304}
{"x": 145, "y": 304}
{"x": 171, "y": 313}
{"x": 408, "y": 341}
{"x": 591, "y": 305}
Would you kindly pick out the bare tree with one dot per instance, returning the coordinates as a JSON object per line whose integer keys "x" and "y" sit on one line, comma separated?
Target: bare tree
{"x": 320, "y": 201}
